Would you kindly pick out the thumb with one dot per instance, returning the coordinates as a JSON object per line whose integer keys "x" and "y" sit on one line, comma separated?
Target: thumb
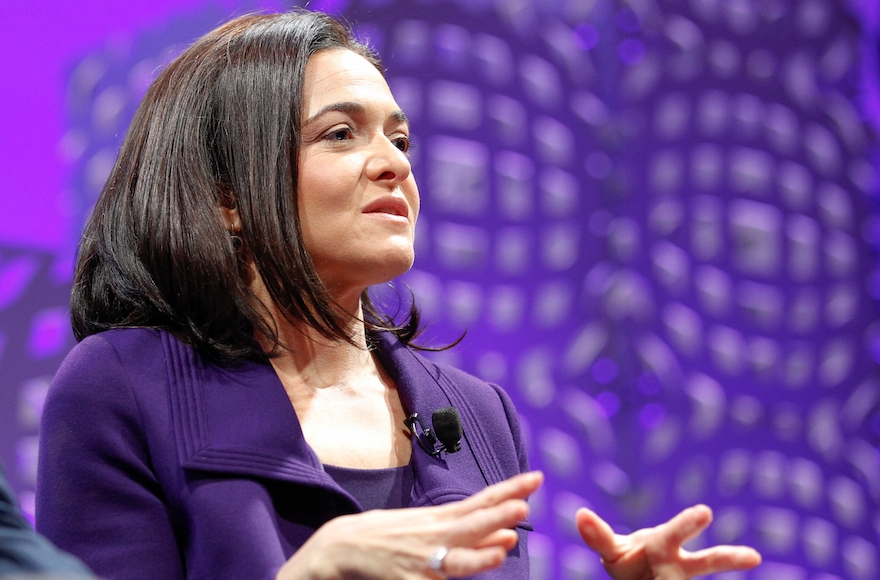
{"x": 597, "y": 534}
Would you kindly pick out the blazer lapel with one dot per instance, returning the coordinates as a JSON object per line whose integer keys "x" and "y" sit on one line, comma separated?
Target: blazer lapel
{"x": 423, "y": 389}
{"x": 236, "y": 419}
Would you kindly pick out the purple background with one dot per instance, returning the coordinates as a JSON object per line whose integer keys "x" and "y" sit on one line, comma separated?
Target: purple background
{"x": 657, "y": 221}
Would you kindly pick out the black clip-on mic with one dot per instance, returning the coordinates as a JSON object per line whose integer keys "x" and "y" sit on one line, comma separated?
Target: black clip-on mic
{"x": 446, "y": 435}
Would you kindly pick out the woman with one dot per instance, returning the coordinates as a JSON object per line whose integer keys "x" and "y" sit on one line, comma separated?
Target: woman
{"x": 236, "y": 406}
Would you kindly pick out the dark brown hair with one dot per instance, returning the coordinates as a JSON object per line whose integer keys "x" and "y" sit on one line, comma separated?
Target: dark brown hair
{"x": 218, "y": 127}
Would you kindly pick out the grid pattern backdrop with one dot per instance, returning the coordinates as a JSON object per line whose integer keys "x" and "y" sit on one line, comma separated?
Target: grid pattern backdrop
{"x": 656, "y": 221}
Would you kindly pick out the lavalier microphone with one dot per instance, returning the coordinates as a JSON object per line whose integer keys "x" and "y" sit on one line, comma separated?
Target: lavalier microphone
{"x": 445, "y": 436}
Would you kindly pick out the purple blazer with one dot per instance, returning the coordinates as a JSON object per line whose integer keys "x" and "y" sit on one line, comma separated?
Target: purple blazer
{"x": 158, "y": 464}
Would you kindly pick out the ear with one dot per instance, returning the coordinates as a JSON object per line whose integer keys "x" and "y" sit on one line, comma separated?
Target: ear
{"x": 231, "y": 218}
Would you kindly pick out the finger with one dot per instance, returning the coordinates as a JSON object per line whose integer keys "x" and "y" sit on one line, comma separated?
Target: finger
{"x": 506, "y": 539}
{"x": 597, "y": 534}
{"x": 474, "y": 526}
{"x": 463, "y": 562}
{"x": 719, "y": 559}
{"x": 686, "y": 525}
{"x": 517, "y": 487}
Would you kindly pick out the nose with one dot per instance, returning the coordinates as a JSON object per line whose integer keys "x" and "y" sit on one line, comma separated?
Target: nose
{"x": 387, "y": 163}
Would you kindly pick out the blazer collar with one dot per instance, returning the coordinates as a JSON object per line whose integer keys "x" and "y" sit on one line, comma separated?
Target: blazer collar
{"x": 235, "y": 418}
{"x": 423, "y": 389}
{"x": 238, "y": 419}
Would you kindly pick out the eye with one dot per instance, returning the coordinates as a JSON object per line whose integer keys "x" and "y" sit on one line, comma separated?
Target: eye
{"x": 402, "y": 142}
{"x": 339, "y": 134}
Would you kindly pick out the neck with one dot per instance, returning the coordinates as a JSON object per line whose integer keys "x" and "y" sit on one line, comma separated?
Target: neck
{"x": 308, "y": 362}
{"x": 341, "y": 393}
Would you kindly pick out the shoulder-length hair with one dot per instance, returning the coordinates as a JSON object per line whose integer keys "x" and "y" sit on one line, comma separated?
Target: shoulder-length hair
{"x": 219, "y": 127}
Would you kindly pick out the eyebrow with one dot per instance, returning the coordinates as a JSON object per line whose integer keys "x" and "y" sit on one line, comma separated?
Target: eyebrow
{"x": 353, "y": 107}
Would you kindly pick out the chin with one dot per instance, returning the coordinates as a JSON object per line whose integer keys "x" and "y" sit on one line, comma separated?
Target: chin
{"x": 392, "y": 265}
{"x": 398, "y": 268}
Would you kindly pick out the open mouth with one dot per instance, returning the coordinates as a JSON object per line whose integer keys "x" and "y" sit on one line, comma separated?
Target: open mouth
{"x": 388, "y": 205}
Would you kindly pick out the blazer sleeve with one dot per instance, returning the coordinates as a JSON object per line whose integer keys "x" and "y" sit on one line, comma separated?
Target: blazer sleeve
{"x": 522, "y": 457}
{"x": 97, "y": 496}
{"x": 515, "y": 430}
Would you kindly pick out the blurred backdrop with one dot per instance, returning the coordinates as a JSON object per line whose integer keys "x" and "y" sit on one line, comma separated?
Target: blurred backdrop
{"x": 656, "y": 220}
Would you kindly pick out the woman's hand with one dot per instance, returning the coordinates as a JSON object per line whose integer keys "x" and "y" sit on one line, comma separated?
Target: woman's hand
{"x": 657, "y": 552}
{"x": 396, "y": 544}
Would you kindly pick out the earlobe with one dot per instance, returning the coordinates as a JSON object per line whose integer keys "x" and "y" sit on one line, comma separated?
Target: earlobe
{"x": 231, "y": 218}
{"x": 233, "y": 226}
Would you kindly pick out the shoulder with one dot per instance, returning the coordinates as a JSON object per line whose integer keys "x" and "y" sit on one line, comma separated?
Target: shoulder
{"x": 409, "y": 365}
{"x": 122, "y": 348}
{"x": 121, "y": 341}
{"x": 104, "y": 367}
{"x": 478, "y": 392}
{"x": 483, "y": 397}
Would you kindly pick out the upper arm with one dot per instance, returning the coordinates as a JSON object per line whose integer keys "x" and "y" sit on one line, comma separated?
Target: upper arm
{"x": 97, "y": 495}
{"x": 515, "y": 429}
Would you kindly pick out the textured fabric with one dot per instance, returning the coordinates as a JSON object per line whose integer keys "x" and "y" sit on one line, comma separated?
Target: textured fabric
{"x": 155, "y": 463}
{"x": 22, "y": 551}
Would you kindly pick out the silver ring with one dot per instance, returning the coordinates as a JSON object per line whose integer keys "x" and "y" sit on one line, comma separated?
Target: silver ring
{"x": 435, "y": 560}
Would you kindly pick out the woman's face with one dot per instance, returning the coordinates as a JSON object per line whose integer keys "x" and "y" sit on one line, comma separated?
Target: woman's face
{"x": 358, "y": 200}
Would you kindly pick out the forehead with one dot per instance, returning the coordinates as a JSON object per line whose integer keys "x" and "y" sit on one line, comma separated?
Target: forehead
{"x": 336, "y": 75}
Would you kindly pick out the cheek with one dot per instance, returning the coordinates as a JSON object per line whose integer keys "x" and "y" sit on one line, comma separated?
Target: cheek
{"x": 327, "y": 169}
{"x": 412, "y": 194}
{"x": 322, "y": 193}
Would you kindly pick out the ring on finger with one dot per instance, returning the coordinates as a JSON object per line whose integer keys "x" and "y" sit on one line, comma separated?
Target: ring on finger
{"x": 435, "y": 560}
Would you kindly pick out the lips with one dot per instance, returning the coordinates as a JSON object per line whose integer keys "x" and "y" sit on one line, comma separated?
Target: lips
{"x": 388, "y": 205}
